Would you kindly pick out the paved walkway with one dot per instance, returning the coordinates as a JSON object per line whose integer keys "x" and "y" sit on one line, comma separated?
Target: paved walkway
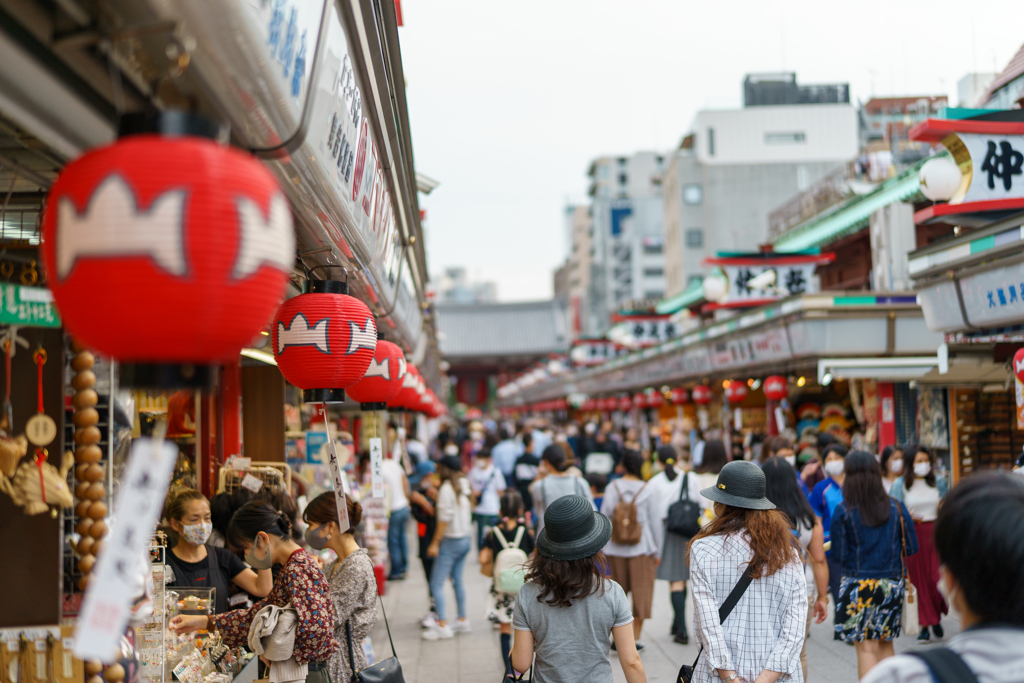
{"x": 476, "y": 657}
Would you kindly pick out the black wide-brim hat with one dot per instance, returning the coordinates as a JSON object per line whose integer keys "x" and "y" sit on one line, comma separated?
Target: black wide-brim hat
{"x": 573, "y": 530}
{"x": 741, "y": 485}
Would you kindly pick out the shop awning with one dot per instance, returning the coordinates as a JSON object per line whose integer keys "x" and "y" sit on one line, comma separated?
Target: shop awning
{"x": 887, "y": 369}
{"x": 692, "y": 295}
{"x": 852, "y": 216}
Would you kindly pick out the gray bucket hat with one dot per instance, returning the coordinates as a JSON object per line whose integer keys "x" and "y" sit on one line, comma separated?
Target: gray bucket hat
{"x": 573, "y": 530}
{"x": 741, "y": 485}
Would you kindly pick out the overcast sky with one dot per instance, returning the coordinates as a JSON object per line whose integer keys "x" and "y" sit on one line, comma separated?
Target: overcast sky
{"x": 509, "y": 101}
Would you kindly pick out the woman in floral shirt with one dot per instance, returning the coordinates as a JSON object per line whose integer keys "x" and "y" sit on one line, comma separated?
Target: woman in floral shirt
{"x": 265, "y": 535}
{"x": 353, "y": 586}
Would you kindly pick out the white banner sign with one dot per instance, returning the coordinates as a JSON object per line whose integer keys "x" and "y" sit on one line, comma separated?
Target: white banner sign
{"x": 340, "y": 485}
{"x": 377, "y": 467}
{"x": 107, "y": 603}
{"x": 998, "y": 162}
{"x": 796, "y": 278}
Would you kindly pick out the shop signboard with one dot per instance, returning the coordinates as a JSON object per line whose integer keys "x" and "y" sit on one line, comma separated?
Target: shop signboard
{"x": 757, "y": 279}
{"x": 645, "y": 331}
{"x": 27, "y": 306}
{"x": 590, "y": 352}
{"x": 998, "y": 166}
{"x": 759, "y": 347}
{"x": 991, "y": 299}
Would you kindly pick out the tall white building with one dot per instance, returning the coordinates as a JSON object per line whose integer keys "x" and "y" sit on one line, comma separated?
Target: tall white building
{"x": 626, "y": 237}
{"x": 735, "y": 168}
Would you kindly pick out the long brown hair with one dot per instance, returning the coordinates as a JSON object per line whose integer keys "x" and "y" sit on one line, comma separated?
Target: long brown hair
{"x": 455, "y": 477}
{"x": 562, "y": 581}
{"x": 768, "y": 531}
{"x": 324, "y": 509}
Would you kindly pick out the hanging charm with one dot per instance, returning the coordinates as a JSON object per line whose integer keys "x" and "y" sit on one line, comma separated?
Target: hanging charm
{"x": 41, "y": 429}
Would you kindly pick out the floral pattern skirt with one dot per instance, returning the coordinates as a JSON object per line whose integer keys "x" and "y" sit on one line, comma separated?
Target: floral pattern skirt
{"x": 869, "y": 609}
{"x": 500, "y": 606}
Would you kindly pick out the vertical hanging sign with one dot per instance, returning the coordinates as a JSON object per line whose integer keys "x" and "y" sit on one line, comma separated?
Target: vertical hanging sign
{"x": 1020, "y": 402}
{"x": 340, "y": 484}
{"x": 107, "y": 603}
{"x": 377, "y": 467}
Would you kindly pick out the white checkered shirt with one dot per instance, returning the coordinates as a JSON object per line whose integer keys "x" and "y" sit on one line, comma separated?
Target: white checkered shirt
{"x": 767, "y": 627}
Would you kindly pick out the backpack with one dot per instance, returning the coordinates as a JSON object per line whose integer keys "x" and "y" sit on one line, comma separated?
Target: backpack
{"x": 626, "y": 530}
{"x": 684, "y": 514}
{"x": 946, "y": 666}
{"x": 510, "y": 564}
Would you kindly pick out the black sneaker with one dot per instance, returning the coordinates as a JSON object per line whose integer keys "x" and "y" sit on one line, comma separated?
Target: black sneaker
{"x": 924, "y": 636}
{"x": 937, "y": 629}
{"x": 682, "y": 639}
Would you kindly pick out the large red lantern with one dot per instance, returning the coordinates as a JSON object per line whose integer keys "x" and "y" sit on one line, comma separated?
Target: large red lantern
{"x": 655, "y": 400}
{"x": 162, "y": 250}
{"x": 640, "y": 400}
{"x": 383, "y": 378}
{"x": 735, "y": 392}
{"x": 1018, "y": 364}
{"x": 775, "y": 388}
{"x": 680, "y": 396}
{"x": 701, "y": 395}
{"x": 407, "y": 397}
{"x": 624, "y": 403}
{"x": 324, "y": 340}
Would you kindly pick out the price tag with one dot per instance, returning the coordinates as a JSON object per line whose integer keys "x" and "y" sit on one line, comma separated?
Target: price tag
{"x": 41, "y": 430}
{"x": 377, "y": 467}
{"x": 780, "y": 419}
{"x": 737, "y": 419}
{"x": 252, "y": 483}
{"x": 341, "y": 488}
{"x": 240, "y": 463}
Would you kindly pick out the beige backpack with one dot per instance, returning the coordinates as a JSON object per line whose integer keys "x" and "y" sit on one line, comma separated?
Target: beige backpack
{"x": 626, "y": 530}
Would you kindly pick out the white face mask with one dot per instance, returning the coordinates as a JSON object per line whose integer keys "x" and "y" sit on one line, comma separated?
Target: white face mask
{"x": 896, "y": 465}
{"x": 791, "y": 459}
{"x": 834, "y": 467}
{"x": 922, "y": 469}
{"x": 947, "y": 593}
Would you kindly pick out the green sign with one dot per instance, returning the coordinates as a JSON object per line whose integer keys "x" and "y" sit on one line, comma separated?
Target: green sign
{"x": 27, "y": 306}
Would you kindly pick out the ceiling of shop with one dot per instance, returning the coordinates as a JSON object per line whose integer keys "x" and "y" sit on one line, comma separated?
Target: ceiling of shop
{"x": 27, "y": 169}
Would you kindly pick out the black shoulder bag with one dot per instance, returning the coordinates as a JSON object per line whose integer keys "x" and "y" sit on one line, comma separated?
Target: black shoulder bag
{"x": 684, "y": 515}
{"x": 386, "y": 671}
{"x": 686, "y": 672}
{"x": 946, "y": 666}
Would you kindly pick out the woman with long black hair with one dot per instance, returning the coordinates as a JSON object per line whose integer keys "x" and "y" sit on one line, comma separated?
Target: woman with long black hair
{"x": 266, "y": 537}
{"x": 871, "y": 533}
{"x": 783, "y": 489}
{"x": 450, "y": 546}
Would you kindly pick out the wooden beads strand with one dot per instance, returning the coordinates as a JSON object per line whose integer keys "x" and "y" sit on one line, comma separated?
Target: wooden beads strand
{"x": 89, "y": 473}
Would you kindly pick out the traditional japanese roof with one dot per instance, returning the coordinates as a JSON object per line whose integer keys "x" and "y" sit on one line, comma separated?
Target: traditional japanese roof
{"x": 478, "y": 331}
{"x": 1014, "y": 69}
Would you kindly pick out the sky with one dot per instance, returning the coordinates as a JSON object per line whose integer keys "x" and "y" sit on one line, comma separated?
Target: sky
{"x": 509, "y": 101}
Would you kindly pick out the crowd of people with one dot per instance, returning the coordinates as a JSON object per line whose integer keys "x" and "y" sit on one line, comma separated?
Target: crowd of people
{"x": 574, "y": 524}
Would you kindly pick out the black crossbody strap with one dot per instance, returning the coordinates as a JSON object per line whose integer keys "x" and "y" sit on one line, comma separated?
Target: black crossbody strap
{"x": 946, "y": 666}
{"x": 684, "y": 488}
{"x": 351, "y": 652}
{"x": 730, "y": 603}
{"x": 386, "y": 624}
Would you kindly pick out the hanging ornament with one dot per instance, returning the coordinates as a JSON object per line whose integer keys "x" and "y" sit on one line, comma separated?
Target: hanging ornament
{"x": 383, "y": 378}
{"x": 701, "y": 395}
{"x": 640, "y": 400}
{"x": 407, "y": 397}
{"x": 775, "y": 388}
{"x": 184, "y": 244}
{"x": 1018, "y": 364}
{"x": 680, "y": 396}
{"x": 324, "y": 340}
{"x": 655, "y": 400}
{"x": 625, "y": 403}
{"x": 735, "y": 392}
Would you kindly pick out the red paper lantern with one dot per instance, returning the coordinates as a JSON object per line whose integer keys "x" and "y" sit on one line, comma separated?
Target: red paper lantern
{"x": 680, "y": 396}
{"x": 775, "y": 388}
{"x": 701, "y": 395}
{"x": 588, "y": 405}
{"x": 640, "y": 400}
{"x": 324, "y": 340}
{"x": 167, "y": 250}
{"x": 1018, "y": 364}
{"x": 406, "y": 397}
{"x": 655, "y": 400}
{"x": 735, "y": 392}
{"x": 383, "y": 378}
{"x": 624, "y": 404}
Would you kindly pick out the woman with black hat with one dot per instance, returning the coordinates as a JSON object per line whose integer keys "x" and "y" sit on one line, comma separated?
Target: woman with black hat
{"x": 566, "y": 611}
{"x": 748, "y": 547}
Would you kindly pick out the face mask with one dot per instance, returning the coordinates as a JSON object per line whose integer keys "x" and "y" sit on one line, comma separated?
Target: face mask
{"x": 196, "y": 534}
{"x": 896, "y": 465}
{"x": 257, "y": 562}
{"x": 834, "y": 468}
{"x": 791, "y": 459}
{"x": 945, "y": 592}
{"x": 314, "y": 540}
{"x": 922, "y": 469}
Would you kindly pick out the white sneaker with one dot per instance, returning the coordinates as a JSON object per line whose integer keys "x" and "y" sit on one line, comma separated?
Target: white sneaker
{"x": 429, "y": 621}
{"x": 436, "y": 632}
{"x": 461, "y": 626}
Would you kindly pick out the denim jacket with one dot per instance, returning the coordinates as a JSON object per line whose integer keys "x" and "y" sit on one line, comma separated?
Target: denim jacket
{"x": 871, "y": 552}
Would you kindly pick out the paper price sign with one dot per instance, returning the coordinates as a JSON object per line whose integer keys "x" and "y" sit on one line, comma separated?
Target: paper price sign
{"x": 107, "y": 603}
{"x": 252, "y": 483}
{"x": 340, "y": 485}
{"x": 377, "y": 467}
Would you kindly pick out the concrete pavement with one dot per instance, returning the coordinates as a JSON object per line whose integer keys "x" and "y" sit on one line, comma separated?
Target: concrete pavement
{"x": 475, "y": 657}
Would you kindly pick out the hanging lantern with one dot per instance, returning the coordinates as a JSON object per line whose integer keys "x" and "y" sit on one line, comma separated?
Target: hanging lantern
{"x": 655, "y": 400}
{"x": 1018, "y": 364}
{"x": 588, "y": 405}
{"x": 701, "y": 395}
{"x": 624, "y": 404}
{"x": 680, "y": 396}
{"x": 640, "y": 400}
{"x": 324, "y": 341}
{"x": 383, "y": 378}
{"x": 776, "y": 388}
{"x": 735, "y": 392}
{"x": 406, "y": 397}
{"x": 166, "y": 253}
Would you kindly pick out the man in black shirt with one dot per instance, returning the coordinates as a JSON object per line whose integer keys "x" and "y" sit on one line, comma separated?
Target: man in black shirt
{"x": 526, "y": 471}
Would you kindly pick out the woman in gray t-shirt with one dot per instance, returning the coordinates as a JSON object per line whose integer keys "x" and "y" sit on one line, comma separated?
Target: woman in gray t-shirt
{"x": 558, "y": 482}
{"x": 566, "y": 611}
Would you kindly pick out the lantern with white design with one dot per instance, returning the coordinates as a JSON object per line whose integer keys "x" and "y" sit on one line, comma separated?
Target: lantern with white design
{"x": 383, "y": 378}
{"x": 407, "y": 397}
{"x": 625, "y": 403}
{"x": 655, "y": 399}
{"x": 166, "y": 253}
{"x": 701, "y": 395}
{"x": 640, "y": 400}
{"x": 680, "y": 396}
{"x": 775, "y": 388}
{"x": 324, "y": 341}
{"x": 735, "y": 392}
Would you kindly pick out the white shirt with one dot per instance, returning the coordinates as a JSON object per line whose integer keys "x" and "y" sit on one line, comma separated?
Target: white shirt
{"x": 995, "y": 655}
{"x": 922, "y": 501}
{"x": 455, "y": 510}
{"x": 766, "y": 629}
{"x": 416, "y": 450}
{"x": 648, "y": 505}
{"x": 706, "y": 481}
{"x": 394, "y": 479}
{"x": 669, "y": 491}
{"x": 486, "y": 483}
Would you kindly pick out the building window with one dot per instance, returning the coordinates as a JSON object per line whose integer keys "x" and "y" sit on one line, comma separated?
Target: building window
{"x": 694, "y": 237}
{"x": 711, "y": 142}
{"x": 622, "y": 179}
{"x": 603, "y": 172}
{"x": 654, "y": 294}
{"x": 693, "y": 195}
{"x": 622, "y": 161}
{"x": 652, "y": 249}
{"x": 654, "y": 272}
{"x": 785, "y": 138}
{"x": 659, "y": 159}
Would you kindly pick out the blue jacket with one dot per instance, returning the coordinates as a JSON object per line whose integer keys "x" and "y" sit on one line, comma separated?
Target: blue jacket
{"x": 827, "y": 494}
{"x": 871, "y": 552}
